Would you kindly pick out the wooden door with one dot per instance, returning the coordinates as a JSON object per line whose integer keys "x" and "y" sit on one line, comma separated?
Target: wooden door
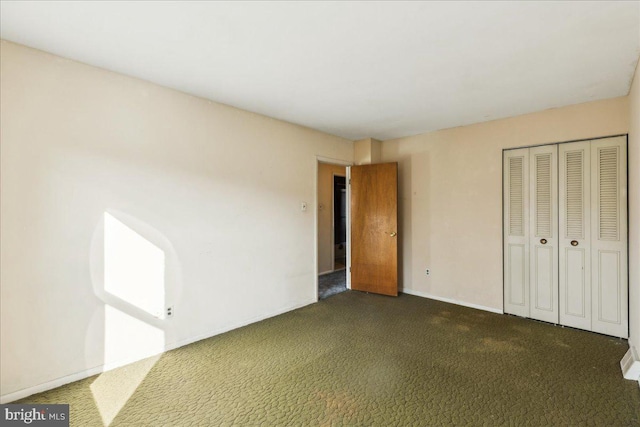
{"x": 543, "y": 240}
{"x": 516, "y": 232}
{"x": 575, "y": 234}
{"x": 374, "y": 228}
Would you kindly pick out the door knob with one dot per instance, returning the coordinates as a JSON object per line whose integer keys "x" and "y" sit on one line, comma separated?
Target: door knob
{"x": 543, "y": 241}
{"x": 393, "y": 234}
{"x": 574, "y": 243}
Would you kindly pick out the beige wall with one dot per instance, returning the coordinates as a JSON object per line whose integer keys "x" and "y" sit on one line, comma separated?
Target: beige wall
{"x": 367, "y": 151}
{"x": 634, "y": 211}
{"x": 450, "y": 187}
{"x": 376, "y": 151}
{"x": 216, "y": 189}
{"x": 362, "y": 151}
{"x": 325, "y": 214}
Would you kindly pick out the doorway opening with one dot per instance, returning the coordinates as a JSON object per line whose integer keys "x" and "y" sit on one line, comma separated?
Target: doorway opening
{"x": 332, "y": 228}
{"x": 339, "y": 222}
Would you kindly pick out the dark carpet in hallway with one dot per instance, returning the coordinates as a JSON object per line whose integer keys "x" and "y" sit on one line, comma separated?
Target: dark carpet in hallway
{"x": 332, "y": 283}
{"x": 368, "y": 360}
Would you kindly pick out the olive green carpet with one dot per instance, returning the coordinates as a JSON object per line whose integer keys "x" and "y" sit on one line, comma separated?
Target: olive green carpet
{"x": 360, "y": 359}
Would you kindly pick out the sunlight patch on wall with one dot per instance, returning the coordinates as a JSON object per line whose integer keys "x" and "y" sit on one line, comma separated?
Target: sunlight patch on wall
{"x": 133, "y": 267}
{"x": 134, "y": 296}
{"x": 127, "y": 339}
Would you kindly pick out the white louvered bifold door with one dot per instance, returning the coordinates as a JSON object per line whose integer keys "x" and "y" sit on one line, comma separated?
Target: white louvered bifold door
{"x": 516, "y": 232}
{"x": 565, "y": 234}
{"x": 609, "y": 236}
{"x": 543, "y": 234}
{"x": 575, "y": 229}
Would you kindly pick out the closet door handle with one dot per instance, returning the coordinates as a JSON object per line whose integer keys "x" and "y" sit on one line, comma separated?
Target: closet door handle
{"x": 543, "y": 241}
{"x": 574, "y": 243}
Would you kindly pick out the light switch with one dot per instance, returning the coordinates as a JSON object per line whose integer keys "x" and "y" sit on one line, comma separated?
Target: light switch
{"x": 303, "y": 206}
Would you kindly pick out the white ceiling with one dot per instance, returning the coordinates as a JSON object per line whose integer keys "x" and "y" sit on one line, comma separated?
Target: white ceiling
{"x": 354, "y": 69}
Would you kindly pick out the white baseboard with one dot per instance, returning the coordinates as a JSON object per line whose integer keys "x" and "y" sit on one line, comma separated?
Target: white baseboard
{"x": 451, "y": 301}
{"x": 630, "y": 365}
{"x": 58, "y": 382}
{"x": 11, "y": 397}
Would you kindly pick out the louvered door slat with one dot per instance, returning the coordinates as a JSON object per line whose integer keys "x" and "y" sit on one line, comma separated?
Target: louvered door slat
{"x": 574, "y": 194}
{"x": 543, "y": 199}
{"x": 608, "y": 206}
{"x": 516, "y": 196}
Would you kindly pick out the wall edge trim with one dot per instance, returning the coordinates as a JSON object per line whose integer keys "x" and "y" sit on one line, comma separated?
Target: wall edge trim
{"x": 451, "y": 301}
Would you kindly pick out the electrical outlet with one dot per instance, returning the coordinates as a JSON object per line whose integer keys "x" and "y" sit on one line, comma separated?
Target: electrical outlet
{"x": 169, "y": 311}
{"x": 427, "y": 272}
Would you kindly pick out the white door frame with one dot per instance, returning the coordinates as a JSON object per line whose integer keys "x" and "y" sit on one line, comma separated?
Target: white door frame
{"x": 346, "y": 164}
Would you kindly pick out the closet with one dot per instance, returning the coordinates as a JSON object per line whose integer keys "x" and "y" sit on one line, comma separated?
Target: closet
{"x": 565, "y": 234}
